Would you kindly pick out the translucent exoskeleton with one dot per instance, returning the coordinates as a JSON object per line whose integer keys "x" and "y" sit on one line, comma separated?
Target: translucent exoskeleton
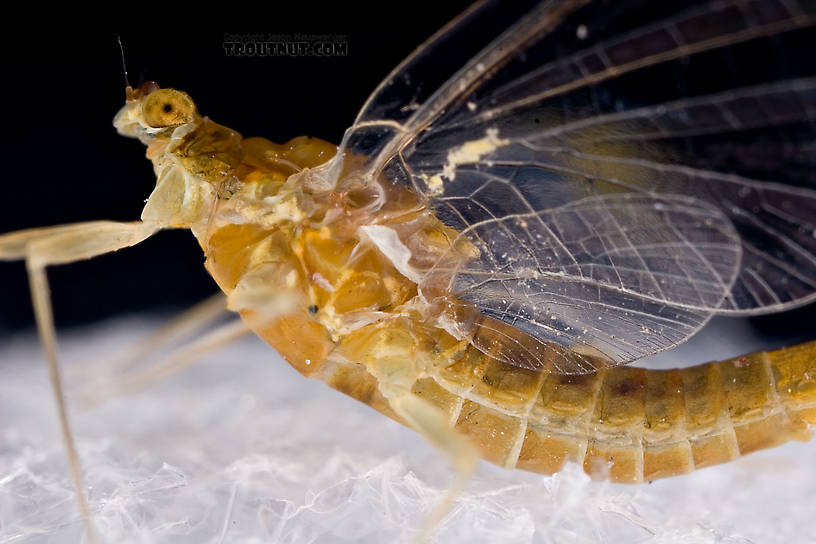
{"x": 488, "y": 246}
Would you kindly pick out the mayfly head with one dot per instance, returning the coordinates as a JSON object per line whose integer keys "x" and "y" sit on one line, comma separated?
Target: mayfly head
{"x": 193, "y": 157}
{"x": 150, "y": 112}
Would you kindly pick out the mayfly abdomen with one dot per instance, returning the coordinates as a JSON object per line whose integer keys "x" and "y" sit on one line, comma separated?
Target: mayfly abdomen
{"x": 344, "y": 310}
{"x": 627, "y": 424}
{"x": 641, "y": 424}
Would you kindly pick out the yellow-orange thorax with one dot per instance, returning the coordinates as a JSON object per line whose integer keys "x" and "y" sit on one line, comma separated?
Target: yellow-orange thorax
{"x": 306, "y": 252}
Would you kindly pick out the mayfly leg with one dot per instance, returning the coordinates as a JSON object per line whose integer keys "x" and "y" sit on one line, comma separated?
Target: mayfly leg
{"x": 191, "y": 321}
{"x": 61, "y": 245}
{"x": 435, "y": 427}
{"x": 171, "y": 364}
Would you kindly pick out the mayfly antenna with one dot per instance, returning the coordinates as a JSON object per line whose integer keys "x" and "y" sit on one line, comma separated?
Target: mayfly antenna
{"x": 124, "y": 68}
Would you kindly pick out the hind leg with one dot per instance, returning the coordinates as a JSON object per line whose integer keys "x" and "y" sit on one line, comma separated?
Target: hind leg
{"x": 434, "y": 425}
{"x": 60, "y": 245}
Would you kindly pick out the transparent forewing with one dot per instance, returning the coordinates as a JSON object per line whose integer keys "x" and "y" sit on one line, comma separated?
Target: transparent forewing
{"x": 623, "y": 274}
{"x": 433, "y": 77}
{"x": 574, "y": 103}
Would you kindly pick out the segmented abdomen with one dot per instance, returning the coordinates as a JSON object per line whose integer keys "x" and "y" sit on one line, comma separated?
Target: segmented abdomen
{"x": 640, "y": 424}
{"x": 625, "y": 423}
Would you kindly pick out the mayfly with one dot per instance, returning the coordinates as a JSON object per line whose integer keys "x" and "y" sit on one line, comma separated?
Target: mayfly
{"x": 485, "y": 251}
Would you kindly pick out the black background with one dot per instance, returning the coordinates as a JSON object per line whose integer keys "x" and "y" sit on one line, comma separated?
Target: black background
{"x": 63, "y": 161}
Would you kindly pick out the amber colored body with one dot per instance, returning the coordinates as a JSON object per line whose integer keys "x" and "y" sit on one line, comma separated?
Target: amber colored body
{"x": 628, "y": 424}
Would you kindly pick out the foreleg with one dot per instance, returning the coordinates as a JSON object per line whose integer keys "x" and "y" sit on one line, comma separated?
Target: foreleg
{"x": 60, "y": 245}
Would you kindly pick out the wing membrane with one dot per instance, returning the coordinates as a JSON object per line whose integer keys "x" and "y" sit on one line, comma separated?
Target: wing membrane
{"x": 707, "y": 109}
{"x": 627, "y": 275}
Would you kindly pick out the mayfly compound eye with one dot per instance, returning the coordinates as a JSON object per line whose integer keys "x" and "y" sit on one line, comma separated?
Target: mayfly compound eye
{"x": 168, "y": 108}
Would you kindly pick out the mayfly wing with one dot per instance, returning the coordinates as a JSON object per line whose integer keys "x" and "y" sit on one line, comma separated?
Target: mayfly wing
{"x": 625, "y": 273}
{"x": 637, "y": 109}
{"x": 706, "y": 110}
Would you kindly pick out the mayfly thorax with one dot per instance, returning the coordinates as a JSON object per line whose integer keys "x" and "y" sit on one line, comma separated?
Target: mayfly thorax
{"x": 481, "y": 256}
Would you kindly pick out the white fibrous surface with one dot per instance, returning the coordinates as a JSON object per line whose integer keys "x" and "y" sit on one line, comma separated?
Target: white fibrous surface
{"x": 240, "y": 448}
